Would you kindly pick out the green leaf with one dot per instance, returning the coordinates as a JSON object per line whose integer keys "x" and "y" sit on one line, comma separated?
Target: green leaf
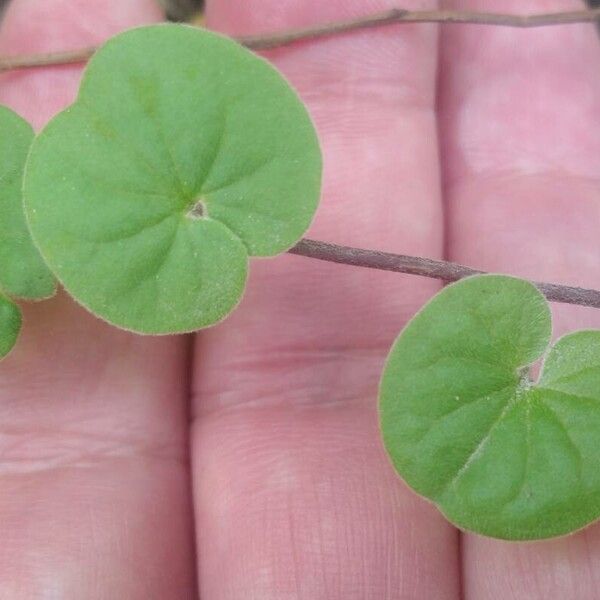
{"x": 183, "y": 155}
{"x": 466, "y": 427}
{"x": 23, "y": 273}
{"x": 10, "y": 325}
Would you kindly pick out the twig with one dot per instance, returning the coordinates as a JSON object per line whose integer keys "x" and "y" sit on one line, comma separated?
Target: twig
{"x": 427, "y": 267}
{"x": 9, "y": 63}
{"x": 393, "y": 16}
{"x": 390, "y": 17}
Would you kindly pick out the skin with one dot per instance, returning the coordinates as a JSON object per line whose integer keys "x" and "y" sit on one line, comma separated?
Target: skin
{"x": 246, "y": 463}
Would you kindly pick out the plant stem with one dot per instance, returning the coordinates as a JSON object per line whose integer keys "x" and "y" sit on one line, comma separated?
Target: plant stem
{"x": 390, "y": 17}
{"x": 9, "y": 63}
{"x": 393, "y": 16}
{"x": 427, "y": 267}
{"x": 374, "y": 259}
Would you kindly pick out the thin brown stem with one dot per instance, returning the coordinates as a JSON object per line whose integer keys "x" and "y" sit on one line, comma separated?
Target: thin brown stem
{"x": 390, "y": 17}
{"x": 398, "y": 15}
{"x": 427, "y": 267}
{"x": 10, "y": 63}
{"x": 374, "y": 259}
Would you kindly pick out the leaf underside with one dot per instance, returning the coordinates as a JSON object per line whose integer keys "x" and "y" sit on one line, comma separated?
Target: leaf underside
{"x": 183, "y": 155}
{"x": 465, "y": 427}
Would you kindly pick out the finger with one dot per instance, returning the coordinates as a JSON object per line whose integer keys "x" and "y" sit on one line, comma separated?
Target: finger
{"x": 93, "y": 475}
{"x": 520, "y": 135}
{"x": 294, "y": 496}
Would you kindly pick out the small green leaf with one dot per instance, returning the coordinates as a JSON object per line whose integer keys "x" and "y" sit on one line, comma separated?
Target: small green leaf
{"x": 465, "y": 426}
{"x": 23, "y": 273}
{"x": 183, "y": 155}
{"x": 10, "y": 325}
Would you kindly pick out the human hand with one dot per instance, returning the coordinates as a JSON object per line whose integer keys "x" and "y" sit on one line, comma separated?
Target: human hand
{"x": 274, "y": 483}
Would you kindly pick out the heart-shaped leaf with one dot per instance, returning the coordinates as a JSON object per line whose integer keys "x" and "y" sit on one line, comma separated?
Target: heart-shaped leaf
{"x": 23, "y": 273}
{"x": 467, "y": 428}
{"x": 183, "y": 155}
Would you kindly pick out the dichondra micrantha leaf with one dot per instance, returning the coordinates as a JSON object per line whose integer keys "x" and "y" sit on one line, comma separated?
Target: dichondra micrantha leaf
{"x": 183, "y": 155}
{"x": 466, "y": 427}
{"x": 23, "y": 273}
{"x": 10, "y": 325}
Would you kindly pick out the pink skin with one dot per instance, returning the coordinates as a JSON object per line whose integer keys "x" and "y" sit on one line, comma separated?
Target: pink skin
{"x": 94, "y": 467}
{"x": 292, "y": 493}
{"x": 519, "y": 130}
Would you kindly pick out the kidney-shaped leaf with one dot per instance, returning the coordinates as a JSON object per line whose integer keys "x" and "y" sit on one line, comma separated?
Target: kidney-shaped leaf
{"x": 183, "y": 155}
{"x": 23, "y": 273}
{"x": 466, "y": 427}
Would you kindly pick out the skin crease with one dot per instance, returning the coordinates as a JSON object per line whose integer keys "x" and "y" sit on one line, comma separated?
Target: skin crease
{"x": 94, "y": 478}
{"x": 293, "y": 495}
{"x": 295, "y": 498}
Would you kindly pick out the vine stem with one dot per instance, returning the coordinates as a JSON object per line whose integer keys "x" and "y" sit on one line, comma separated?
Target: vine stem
{"x": 390, "y": 17}
{"x": 374, "y": 259}
{"x": 428, "y": 267}
{"x": 398, "y": 15}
